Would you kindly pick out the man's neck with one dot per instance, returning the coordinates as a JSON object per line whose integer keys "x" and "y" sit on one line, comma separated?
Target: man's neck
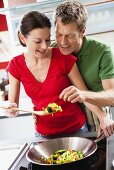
{"x": 79, "y": 47}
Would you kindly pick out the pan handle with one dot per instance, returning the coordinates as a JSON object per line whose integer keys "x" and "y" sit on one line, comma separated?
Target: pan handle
{"x": 100, "y": 138}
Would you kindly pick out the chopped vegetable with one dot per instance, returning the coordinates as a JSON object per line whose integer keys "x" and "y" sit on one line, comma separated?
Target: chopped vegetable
{"x": 65, "y": 156}
{"x": 52, "y": 108}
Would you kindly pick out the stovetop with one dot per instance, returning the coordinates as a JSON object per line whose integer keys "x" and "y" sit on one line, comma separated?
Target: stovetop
{"x": 97, "y": 161}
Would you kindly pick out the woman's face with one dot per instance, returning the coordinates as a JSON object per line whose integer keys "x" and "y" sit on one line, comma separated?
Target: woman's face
{"x": 37, "y": 41}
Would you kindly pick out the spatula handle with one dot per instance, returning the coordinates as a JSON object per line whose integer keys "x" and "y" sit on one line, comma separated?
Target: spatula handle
{"x": 31, "y": 111}
{"x": 24, "y": 110}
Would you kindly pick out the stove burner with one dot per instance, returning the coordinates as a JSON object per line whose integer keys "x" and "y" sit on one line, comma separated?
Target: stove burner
{"x": 92, "y": 161}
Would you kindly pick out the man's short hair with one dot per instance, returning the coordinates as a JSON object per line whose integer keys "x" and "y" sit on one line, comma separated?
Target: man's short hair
{"x": 71, "y": 11}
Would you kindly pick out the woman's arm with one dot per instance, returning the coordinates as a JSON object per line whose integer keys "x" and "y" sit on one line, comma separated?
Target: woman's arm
{"x": 13, "y": 96}
{"x": 14, "y": 89}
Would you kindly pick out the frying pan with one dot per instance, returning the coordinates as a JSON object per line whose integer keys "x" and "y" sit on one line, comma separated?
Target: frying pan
{"x": 39, "y": 152}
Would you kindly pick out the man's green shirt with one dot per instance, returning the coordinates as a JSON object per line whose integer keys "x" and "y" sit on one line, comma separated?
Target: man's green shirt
{"x": 95, "y": 63}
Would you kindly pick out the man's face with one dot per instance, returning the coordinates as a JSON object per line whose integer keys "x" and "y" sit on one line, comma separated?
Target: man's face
{"x": 69, "y": 38}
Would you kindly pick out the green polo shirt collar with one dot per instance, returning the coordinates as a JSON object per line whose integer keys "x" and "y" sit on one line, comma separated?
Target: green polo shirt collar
{"x": 85, "y": 50}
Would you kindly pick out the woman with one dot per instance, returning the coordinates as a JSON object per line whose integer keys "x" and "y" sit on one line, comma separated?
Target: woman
{"x": 44, "y": 73}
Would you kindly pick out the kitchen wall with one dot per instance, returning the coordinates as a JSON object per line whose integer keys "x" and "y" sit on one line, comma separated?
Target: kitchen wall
{"x": 107, "y": 38}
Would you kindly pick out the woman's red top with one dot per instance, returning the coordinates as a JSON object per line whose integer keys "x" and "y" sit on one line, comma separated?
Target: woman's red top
{"x": 43, "y": 93}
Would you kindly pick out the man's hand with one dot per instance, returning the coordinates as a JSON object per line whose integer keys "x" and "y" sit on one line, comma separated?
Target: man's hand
{"x": 72, "y": 94}
{"x": 106, "y": 126}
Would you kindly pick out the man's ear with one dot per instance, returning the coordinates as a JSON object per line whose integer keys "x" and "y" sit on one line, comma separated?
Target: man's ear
{"x": 83, "y": 32}
{"x": 22, "y": 38}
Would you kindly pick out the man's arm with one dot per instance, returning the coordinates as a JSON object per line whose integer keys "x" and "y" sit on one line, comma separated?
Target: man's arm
{"x": 103, "y": 98}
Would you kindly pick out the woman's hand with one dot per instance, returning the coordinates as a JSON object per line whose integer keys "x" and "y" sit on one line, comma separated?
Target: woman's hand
{"x": 11, "y": 110}
{"x": 106, "y": 126}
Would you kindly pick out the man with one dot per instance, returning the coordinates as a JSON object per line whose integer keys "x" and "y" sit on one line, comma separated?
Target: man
{"x": 95, "y": 60}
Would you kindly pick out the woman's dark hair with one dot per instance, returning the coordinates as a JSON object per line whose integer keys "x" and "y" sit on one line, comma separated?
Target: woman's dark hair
{"x": 32, "y": 20}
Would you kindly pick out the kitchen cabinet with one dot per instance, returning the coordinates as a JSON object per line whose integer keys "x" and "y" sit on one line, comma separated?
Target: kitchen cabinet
{"x": 3, "y": 65}
{"x": 3, "y": 25}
